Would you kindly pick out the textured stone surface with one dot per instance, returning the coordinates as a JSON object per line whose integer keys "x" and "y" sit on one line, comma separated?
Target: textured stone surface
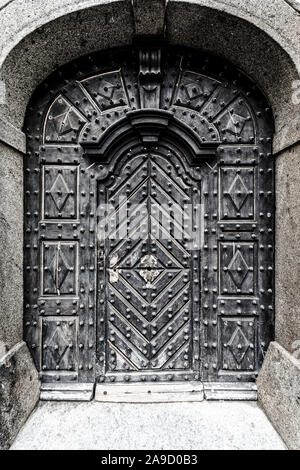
{"x": 278, "y": 17}
{"x": 149, "y": 16}
{"x": 295, "y": 4}
{"x": 19, "y": 391}
{"x": 287, "y": 266}
{"x": 12, "y": 136}
{"x": 20, "y": 17}
{"x": 206, "y": 425}
{"x": 275, "y": 17}
{"x": 279, "y": 393}
{"x": 3, "y": 349}
{"x": 11, "y": 246}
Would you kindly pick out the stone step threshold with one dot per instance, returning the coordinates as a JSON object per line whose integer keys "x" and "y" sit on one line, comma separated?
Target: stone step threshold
{"x": 152, "y": 393}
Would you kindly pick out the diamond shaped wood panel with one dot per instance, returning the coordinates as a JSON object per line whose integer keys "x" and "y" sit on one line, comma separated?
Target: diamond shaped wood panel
{"x": 60, "y": 192}
{"x": 237, "y": 193}
{"x": 59, "y": 268}
{"x": 238, "y": 341}
{"x": 59, "y": 345}
{"x": 237, "y": 268}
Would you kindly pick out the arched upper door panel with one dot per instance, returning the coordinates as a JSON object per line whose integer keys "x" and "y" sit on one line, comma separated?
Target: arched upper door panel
{"x": 86, "y": 97}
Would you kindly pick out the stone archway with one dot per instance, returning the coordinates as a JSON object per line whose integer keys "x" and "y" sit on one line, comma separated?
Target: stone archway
{"x": 33, "y": 47}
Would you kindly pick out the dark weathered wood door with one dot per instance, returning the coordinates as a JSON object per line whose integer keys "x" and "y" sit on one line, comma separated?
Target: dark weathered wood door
{"x": 140, "y": 135}
{"x": 148, "y": 273}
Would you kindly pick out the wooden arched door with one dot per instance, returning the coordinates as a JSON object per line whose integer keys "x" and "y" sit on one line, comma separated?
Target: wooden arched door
{"x": 154, "y": 128}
